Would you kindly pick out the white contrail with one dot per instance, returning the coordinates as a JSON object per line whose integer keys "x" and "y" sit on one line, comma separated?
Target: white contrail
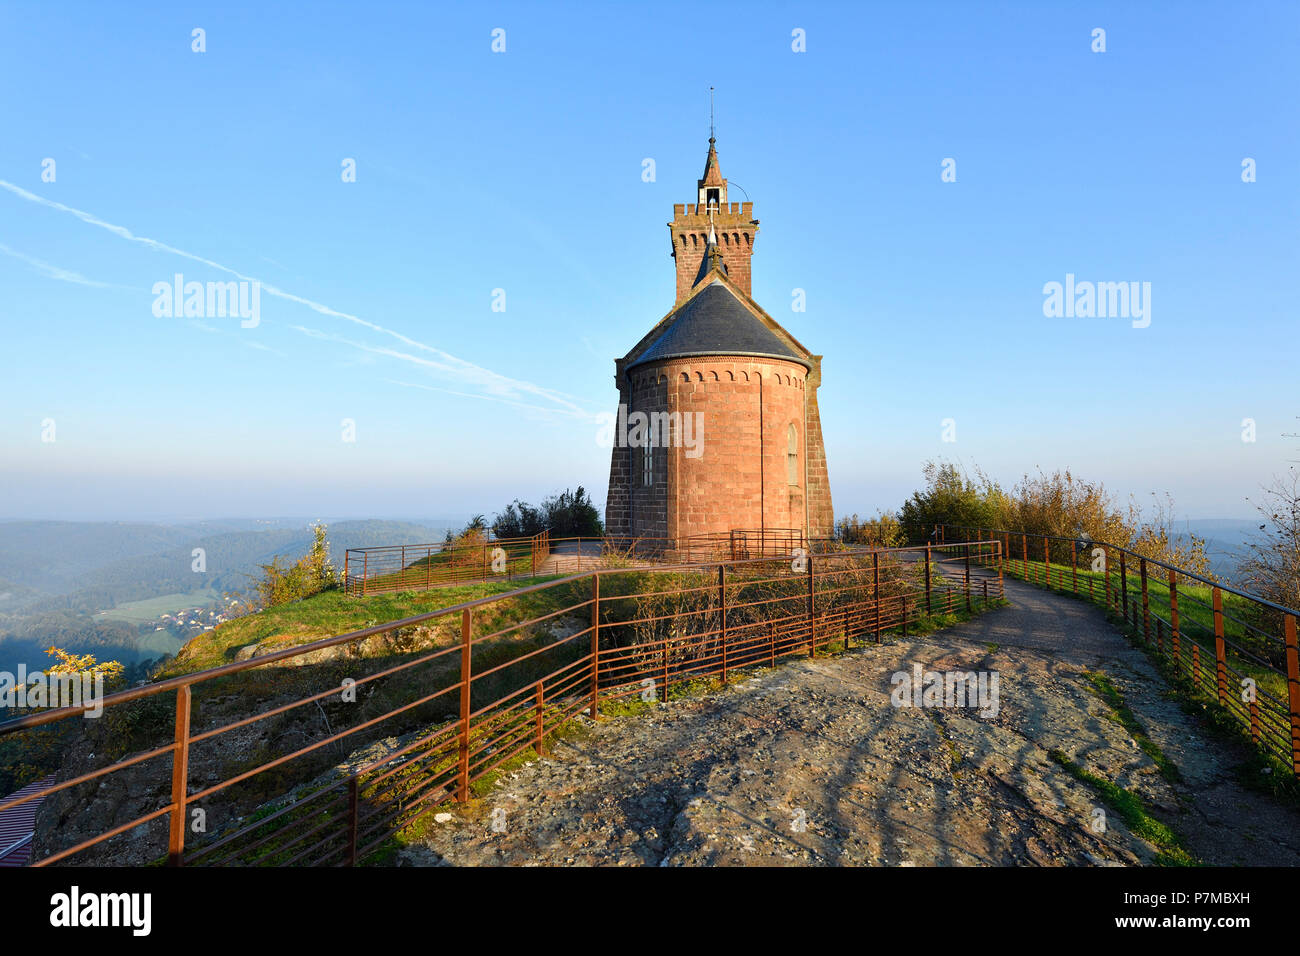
{"x": 53, "y": 272}
{"x": 485, "y": 378}
{"x": 489, "y": 381}
{"x": 491, "y": 398}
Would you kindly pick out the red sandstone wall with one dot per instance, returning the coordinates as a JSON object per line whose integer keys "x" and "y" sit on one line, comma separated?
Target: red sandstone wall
{"x": 821, "y": 513}
{"x": 741, "y": 478}
{"x": 618, "y": 498}
{"x": 736, "y": 230}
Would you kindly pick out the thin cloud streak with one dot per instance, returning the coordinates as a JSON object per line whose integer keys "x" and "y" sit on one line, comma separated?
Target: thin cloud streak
{"x": 466, "y": 371}
{"x": 491, "y": 398}
{"x": 495, "y": 391}
{"x": 52, "y": 271}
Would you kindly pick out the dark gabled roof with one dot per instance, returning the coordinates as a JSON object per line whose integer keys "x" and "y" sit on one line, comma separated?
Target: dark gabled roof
{"x": 716, "y": 322}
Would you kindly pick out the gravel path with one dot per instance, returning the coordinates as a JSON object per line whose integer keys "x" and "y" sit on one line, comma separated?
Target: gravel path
{"x": 811, "y": 764}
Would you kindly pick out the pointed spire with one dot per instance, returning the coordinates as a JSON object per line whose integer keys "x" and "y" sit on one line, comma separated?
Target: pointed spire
{"x": 712, "y": 172}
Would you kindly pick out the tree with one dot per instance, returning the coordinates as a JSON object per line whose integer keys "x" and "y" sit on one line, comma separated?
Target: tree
{"x": 519, "y": 519}
{"x": 110, "y": 671}
{"x": 1055, "y": 505}
{"x": 1272, "y": 568}
{"x": 311, "y": 574}
{"x": 570, "y": 514}
{"x": 951, "y": 497}
{"x": 882, "y": 531}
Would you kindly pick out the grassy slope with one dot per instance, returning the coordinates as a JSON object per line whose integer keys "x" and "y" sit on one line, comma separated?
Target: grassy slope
{"x": 332, "y": 613}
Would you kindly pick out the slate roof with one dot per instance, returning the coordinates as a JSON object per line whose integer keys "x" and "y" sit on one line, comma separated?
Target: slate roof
{"x": 716, "y": 322}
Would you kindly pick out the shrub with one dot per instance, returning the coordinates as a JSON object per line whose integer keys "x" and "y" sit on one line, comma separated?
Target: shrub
{"x": 1272, "y": 568}
{"x": 567, "y": 515}
{"x": 311, "y": 574}
{"x": 882, "y": 531}
{"x": 1056, "y": 504}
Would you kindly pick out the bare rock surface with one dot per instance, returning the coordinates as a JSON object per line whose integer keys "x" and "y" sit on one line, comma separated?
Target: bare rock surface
{"x": 811, "y": 764}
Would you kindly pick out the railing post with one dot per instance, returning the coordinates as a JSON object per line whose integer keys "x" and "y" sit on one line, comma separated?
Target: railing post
{"x": 1002, "y": 560}
{"x": 1047, "y": 563}
{"x": 1146, "y": 606}
{"x": 347, "y": 583}
{"x": 968, "y": 607}
{"x": 722, "y": 615}
{"x": 1074, "y": 566}
{"x": 927, "y": 579}
{"x": 1123, "y": 584}
{"x": 1173, "y": 618}
{"x": 1220, "y": 647}
{"x": 539, "y": 739}
{"x": 428, "y": 568}
{"x": 875, "y": 589}
{"x": 595, "y": 644}
{"x": 1024, "y": 554}
{"x": 1293, "y": 690}
{"x": 180, "y": 777}
{"x": 462, "y": 786}
{"x": 812, "y": 618}
{"x": 354, "y": 811}
{"x": 365, "y": 573}
{"x": 1105, "y": 568}
{"x": 664, "y": 693}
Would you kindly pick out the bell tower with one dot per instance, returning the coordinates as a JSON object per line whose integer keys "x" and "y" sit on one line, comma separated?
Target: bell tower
{"x": 731, "y": 223}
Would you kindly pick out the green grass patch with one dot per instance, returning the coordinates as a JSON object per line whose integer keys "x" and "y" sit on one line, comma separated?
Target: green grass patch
{"x": 332, "y": 612}
{"x": 1196, "y": 628}
{"x": 1133, "y": 811}
{"x": 150, "y": 609}
{"x": 1123, "y": 715}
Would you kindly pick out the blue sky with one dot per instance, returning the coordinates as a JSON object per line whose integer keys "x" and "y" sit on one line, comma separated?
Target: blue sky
{"x": 522, "y": 171}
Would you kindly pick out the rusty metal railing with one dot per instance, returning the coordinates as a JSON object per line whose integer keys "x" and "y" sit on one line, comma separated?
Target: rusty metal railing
{"x": 378, "y": 570}
{"x": 407, "y": 567}
{"x": 1231, "y": 647}
{"x": 483, "y": 690}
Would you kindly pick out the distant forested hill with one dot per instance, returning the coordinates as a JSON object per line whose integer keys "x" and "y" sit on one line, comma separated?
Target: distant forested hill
{"x": 55, "y": 576}
{"x": 53, "y": 556}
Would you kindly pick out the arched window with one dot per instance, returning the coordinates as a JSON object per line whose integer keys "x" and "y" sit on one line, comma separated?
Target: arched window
{"x": 792, "y": 456}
